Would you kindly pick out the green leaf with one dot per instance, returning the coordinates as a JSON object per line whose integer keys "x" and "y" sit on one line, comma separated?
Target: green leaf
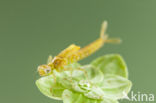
{"x": 111, "y": 64}
{"x": 74, "y": 97}
{"x": 49, "y": 87}
{"x": 113, "y": 86}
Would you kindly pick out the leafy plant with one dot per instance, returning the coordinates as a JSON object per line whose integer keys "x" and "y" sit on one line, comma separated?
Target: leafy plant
{"x": 104, "y": 80}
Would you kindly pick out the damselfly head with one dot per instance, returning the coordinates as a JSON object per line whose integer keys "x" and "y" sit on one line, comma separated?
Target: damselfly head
{"x": 44, "y": 70}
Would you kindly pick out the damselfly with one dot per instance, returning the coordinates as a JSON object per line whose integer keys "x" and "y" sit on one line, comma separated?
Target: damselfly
{"x": 74, "y": 53}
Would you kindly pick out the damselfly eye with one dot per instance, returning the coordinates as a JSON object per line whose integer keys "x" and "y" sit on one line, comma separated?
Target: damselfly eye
{"x": 47, "y": 70}
{"x": 44, "y": 70}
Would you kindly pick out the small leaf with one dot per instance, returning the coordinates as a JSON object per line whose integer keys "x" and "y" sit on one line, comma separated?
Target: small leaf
{"x": 49, "y": 87}
{"x": 111, "y": 64}
{"x": 114, "y": 86}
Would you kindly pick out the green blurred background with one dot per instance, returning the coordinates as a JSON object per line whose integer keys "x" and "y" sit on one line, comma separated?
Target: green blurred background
{"x": 30, "y": 30}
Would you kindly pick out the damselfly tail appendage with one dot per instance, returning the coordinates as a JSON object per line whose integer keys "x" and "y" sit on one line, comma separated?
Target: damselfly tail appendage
{"x": 93, "y": 47}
